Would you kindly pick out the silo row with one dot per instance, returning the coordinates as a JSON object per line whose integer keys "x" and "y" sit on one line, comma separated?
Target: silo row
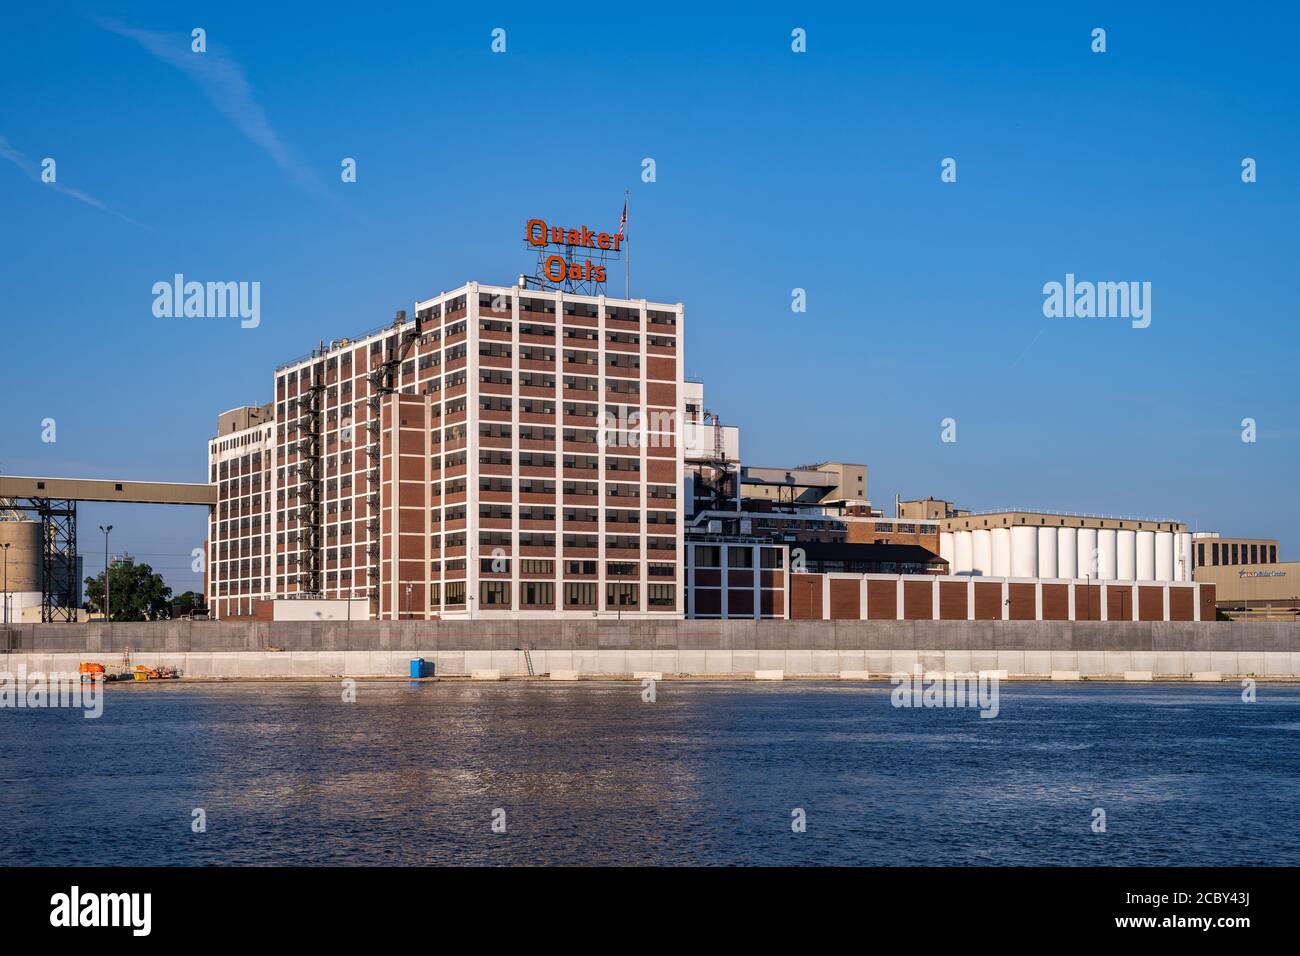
{"x": 1106, "y": 554}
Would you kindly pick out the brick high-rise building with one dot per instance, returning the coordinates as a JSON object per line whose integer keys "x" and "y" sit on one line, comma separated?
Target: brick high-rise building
{"x": 505, "y": 452}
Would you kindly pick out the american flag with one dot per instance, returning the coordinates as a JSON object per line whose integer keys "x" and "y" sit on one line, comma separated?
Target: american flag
{"x": 622, "y": 220}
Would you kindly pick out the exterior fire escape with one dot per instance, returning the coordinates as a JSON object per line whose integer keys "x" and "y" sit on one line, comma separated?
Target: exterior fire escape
{"x": 311, "y": 476}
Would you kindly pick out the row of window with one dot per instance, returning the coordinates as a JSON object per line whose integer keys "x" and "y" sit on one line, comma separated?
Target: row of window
{"x": 1236, "y": 554}
{"x": 620, "y": 594}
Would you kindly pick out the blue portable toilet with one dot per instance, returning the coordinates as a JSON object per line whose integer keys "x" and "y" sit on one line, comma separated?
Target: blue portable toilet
{"x": 418, "y": 668}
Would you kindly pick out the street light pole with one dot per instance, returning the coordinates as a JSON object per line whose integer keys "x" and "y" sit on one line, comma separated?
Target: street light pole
{"x": 106, "y": 591}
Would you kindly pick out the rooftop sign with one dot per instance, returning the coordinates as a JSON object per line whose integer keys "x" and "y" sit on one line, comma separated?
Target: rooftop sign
{"x": 565, "y": 255}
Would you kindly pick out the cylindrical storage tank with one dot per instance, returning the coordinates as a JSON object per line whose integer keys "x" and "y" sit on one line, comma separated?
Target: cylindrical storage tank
{"x": 1183, "y": 557}
{"x": 1164, "y": 555}
{"x": 964, "y": 549}
{"x": 1024, "y": 552}
{"x": 1067, "y": 553}
{"x": 1088, "y": 553}
{"x": 1146, "y": 556}
{"x": 24, "y": 556}
{"x": 982, "y": 552}
{"x": 1106, "y": 554}
{"x": 1047, "y": 553}
{"x": 1126, "y": 555}
{"x": 1002, "y": 552}
{"x": 947, "y": 550}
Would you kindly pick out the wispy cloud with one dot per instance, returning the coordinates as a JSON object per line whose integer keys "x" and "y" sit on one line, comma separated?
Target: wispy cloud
{"x": 33, "y": 171}
{"x": 223, "y": 82}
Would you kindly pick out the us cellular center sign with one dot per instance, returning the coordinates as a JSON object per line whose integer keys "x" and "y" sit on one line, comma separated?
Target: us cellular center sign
{"x": 564, "y": 265}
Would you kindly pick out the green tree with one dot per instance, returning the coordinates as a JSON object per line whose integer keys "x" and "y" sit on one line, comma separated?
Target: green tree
{"x": 135, "y": 592}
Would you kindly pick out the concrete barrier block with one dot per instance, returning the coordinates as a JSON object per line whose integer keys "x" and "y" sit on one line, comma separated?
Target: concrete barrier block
{"x": 850, "y": 661}
{"x": 1011, "y": 662}
{"x": 796, "y": 662}
{"x": 904, "y": 662}
{"x": 1065, "y": 661}
{"x": 769, "y": 675}
{"x": 692, "y": 662}
{"x": 485, "y": 674}
{"x": 879, "y": 662}
{"x": 957, "y": 661}
{"x": 1037, "y": 662}
{"x": 647, "y": 675}
{"x": 855, "y": 675}
{"x": 718, "y": 662}
{"x": 1170, "y": 664}
{"x": 564, "y": 675}
{"x": 1208, "y": 676}
{"x": 1093, "y": 663}
{"x": 1066, "y": 675}
{"x": 1230, "y": 662}
{"x": 666, "y": 662}
{"x": 1139, "y": 675}
{"x": 1277, "y": 664}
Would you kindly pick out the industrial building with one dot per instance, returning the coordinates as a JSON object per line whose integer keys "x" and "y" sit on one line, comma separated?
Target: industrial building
{"x": 505, "y": 452}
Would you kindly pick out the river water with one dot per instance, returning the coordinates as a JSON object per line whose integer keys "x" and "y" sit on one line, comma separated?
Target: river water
{"x": 591, "y": 773}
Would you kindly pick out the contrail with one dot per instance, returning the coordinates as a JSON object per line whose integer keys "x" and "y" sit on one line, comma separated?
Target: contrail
{"x": 223, "y": 82}
{"x": 34, "y": 173}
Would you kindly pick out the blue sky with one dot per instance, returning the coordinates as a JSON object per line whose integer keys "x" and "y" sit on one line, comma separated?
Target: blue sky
{"x": 775, "y": 170}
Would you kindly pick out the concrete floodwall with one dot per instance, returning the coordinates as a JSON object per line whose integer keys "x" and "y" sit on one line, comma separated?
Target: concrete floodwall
{"x": 108, "y": 640}
{"x": 719, "y": 663}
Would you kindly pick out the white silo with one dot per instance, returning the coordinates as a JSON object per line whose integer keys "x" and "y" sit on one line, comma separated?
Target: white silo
{"x": 1183, "y": 557}
{"x": 1087, "y": 553}
{"x": 1024, "y": 552}
{"x": 1146, "y": 556}
{"x": 982, "y": 552}
{"x": 1002, "y": 552}
{"x": 1164, "y": 555}
{"x": 1047, "y": 552}
{"x": 1125, "y": 555}
{"x": 1106, "y": 554}
{"x": 947, "y": 549}
{"x": 1067, "y": 553}
{"x": 965, "y": 556}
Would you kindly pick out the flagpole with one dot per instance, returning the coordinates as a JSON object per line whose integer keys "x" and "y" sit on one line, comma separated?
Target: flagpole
{"x": 627, "y": 240}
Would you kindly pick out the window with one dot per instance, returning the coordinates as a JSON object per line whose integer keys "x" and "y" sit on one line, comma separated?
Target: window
{"x": 1254, "y": 554}
{"x": 771, "y": 558}
{"x": 661, "y": 595}
{"x": 579, "y": 595}
{"x": 1214, "y": 553}
{"x": 1200, "y": 555}
{"x": 494, "y": 594}
{"x": 1272, "y": 554}
{"x": 740, "y": 557}
{"x": 707, "y": 556}
{"x": 621, "y": 595}
{"x": 456, "y": 592}
{"x": 536, "y": 593}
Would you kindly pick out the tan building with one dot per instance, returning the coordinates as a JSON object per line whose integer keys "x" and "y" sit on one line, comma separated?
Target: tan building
{"x": 1258, "y": 590}
{"x": 806, "y": 485}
